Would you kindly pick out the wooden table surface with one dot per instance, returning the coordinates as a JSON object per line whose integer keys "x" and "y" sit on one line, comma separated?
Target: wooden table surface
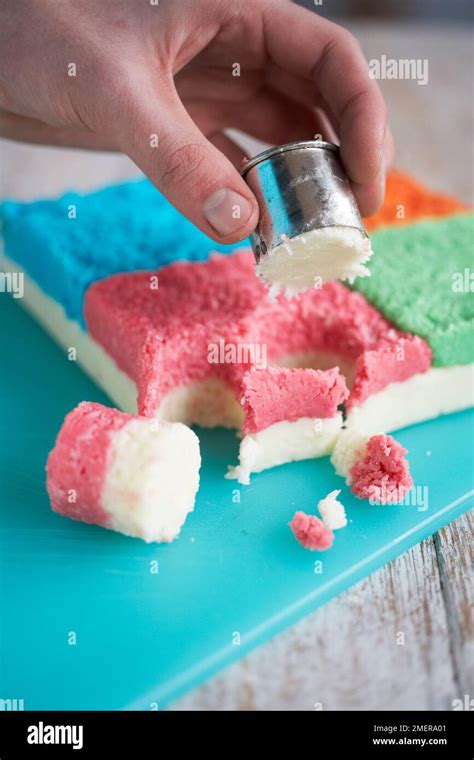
{"x": 404, "y": 637}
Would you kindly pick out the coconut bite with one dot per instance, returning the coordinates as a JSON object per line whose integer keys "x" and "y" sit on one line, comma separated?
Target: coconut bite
{"x": 131, "y": 474}
{"x": 383, "y": 475}
{"x": 311, "y": 532}
{"x": 332, "y": 511}
{"x": 318, "y": 256}
{"x": 374, "y": 466}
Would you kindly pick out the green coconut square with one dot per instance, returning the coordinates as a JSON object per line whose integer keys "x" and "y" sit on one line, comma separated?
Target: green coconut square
{"x": 422, "y": 279}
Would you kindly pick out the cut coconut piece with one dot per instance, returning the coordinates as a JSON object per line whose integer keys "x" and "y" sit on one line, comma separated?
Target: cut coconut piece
{"x": 131, "y": 474}
{"x": 290, "y": 414}
{"x": 332, "y": 511}
{"x": 318, "y": 256}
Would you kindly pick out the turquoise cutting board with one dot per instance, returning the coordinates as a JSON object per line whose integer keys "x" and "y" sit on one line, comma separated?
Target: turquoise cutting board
{"x": 88, "y": 624}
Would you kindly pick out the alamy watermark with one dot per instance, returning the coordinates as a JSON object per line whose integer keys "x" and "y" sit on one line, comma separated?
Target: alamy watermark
{"x": 417, "y": 497}
{"x": 463, "y": 282}
{"x": 42, "y": 733}
{"x": 399, "y": 68}
{"x": 12, "y": 282}
{"x": 12, "y": 705}
{"x": 467, "y": 703}
{"x": 237, "y": 353}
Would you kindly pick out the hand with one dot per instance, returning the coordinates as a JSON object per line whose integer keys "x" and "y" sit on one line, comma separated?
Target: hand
{"x": 159, "y": 83}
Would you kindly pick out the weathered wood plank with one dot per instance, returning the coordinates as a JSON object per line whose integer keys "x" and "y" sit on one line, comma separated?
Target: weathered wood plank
{"x": 454, "y": 548}
{"x": 382, "y": 645}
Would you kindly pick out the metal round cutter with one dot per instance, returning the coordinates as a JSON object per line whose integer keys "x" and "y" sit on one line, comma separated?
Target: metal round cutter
{"x": 300, "y": 187}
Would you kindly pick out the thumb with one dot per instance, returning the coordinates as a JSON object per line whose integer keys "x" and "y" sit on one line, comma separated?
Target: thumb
{"x": 191, "y": 172}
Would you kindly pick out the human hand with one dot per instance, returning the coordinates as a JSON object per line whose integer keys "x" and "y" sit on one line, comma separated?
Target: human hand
{"x": 158, "y": 81}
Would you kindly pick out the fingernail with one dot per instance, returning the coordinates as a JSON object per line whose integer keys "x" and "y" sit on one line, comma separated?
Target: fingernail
{"x": 226, "y": 211}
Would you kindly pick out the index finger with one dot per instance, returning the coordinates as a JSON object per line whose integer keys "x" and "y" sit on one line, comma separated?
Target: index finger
{"x": 313, "y": 48}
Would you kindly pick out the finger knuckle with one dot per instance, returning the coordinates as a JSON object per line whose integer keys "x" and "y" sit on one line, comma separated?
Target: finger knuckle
{"x": 347, "y": 39}
{"x": 341, "y": 41}
{"x": 182, "y": 163}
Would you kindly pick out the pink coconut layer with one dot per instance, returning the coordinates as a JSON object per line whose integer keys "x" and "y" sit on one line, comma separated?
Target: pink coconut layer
{"x": 275, "y": 394}
{"x": 161, "y": 337}
{"x": 383, "y": 474}
{"x": 389, "y": 362}
{"x": 77, "y": 465}
{"x": 311, "y": 532}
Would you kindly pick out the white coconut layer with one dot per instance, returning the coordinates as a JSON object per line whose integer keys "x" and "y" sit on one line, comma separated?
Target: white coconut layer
{"x": 318, "y": 256}
{"x": 350, "y": 446}
{"x": 89, "y": 354}
{"x": 332, "y": 511}
{"x": 152, "y": 478}
{"x": 282, "y": 442}
{"x": 440, "y": 390}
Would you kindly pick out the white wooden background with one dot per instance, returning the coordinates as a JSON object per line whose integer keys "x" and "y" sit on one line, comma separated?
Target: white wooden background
{"x": 346, "y": 655}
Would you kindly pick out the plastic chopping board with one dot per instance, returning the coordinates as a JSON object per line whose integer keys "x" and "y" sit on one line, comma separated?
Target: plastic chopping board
{"x": 95, "y": 620}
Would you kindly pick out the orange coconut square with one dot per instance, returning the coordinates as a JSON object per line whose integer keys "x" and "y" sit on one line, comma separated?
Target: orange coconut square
{"x": 407, "y": 200}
